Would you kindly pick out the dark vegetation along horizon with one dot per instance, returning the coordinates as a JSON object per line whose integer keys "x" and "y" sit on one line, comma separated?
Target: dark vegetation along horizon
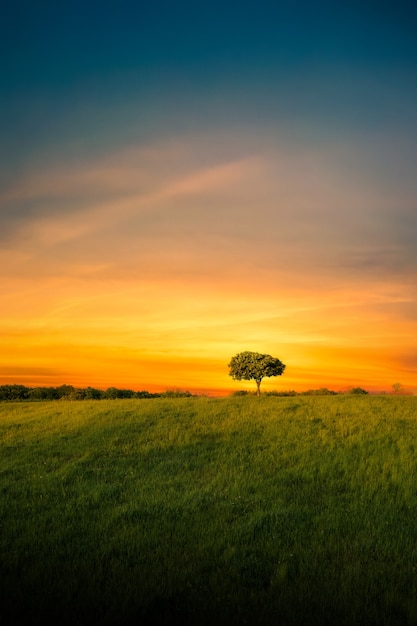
{"x": 19, "y": 393}
{"x": 203, "y": 511}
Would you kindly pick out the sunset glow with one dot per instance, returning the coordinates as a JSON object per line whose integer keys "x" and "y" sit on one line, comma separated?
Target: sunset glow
{"x": 148, "y": 236}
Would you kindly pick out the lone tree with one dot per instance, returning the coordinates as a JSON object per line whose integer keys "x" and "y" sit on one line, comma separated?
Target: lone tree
{"x": 255, "y": 366}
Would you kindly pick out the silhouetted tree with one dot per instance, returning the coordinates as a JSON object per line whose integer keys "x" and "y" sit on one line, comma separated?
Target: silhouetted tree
{"x": 398, "y": 389}
{"x": 255, "y": 366}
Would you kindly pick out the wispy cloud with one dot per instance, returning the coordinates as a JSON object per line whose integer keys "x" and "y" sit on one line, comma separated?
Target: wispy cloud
{"x": 272, "y": 200}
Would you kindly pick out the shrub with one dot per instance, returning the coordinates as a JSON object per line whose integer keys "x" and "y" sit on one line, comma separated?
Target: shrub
{"x": 358, "y": 391}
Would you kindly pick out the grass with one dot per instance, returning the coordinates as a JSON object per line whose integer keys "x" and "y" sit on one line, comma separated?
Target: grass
{"x": 209, "y": 511}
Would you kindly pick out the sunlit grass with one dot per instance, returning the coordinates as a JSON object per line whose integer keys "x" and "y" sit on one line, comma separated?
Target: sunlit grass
{"x": 210, "y": 511}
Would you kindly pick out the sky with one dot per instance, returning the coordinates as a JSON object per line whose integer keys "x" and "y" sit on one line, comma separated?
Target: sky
{"x": 183, "y": 181}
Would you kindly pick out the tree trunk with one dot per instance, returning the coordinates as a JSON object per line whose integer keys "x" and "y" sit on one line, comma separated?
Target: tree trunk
{"x": 258, "y": 388}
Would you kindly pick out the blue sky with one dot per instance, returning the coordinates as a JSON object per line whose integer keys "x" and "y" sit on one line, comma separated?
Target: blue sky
{"x": 69, "y": 64}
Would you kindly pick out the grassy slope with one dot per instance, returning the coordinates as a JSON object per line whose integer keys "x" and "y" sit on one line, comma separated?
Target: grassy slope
{"x": 228, "y": 511}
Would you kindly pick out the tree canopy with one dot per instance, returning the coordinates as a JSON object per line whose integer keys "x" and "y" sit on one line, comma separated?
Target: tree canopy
{"x": 255, "y": 366}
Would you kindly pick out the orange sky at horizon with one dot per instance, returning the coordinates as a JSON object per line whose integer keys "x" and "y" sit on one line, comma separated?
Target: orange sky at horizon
{"x": 149, "y": 268}
{"x": 89, "y": 339}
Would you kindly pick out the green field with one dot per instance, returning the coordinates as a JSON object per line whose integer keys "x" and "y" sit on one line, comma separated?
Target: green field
{"x": 286, "y": 511}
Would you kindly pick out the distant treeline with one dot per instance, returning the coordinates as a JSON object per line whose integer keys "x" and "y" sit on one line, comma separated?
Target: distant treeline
{"x": 323, "y": 391}
{"x": 13, "y": 393}
{"x": 68, "y": 392}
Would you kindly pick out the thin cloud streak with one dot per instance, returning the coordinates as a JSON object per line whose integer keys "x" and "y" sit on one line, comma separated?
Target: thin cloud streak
{"x": 300, "y": 201}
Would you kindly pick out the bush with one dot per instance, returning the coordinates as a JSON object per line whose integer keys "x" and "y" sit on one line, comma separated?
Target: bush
{"x": 323, "y": 391}
{"x": 358, "y": 391}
